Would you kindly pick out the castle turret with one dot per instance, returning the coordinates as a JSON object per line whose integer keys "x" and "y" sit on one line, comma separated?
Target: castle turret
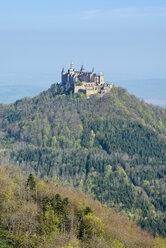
{"x": 63, "y": 70}
{"x": 63, "y": 74}
{"x": 71, "y": 70}
{"x": 101, "y": 78}
{"x": 82, "y": 69}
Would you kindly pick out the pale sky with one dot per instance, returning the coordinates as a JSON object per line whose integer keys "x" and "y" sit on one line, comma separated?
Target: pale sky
{"x": 123, "y": 39}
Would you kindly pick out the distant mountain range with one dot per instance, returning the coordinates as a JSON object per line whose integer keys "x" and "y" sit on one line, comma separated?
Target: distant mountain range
{"x": 11, "y": 92}
{"x": 151, "y": 90}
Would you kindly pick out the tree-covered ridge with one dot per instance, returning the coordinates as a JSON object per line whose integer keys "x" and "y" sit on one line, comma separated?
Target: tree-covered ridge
{"x": 35, "y": 213}
{"x": 111, "y": 147}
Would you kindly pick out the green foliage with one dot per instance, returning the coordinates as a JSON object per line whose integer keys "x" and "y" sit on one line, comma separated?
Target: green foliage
{"x": 159, "y": 243}
{"x": 50, "y": 221}
{"x": 91, "y": 226}
{"x": 3, "y": 242}
{"x": 59, "y": 217}
{"x": 79, "y": 83}
{"x": 54, "y": 141}
{"x": 117, "y": 244}
{"x": 155, "y": 224}
{"x": 111, "y": 147}
{"x": 31, "y": 182}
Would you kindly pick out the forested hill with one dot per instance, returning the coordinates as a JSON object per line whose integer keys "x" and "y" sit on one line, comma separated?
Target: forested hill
{"x": 38, "y": 214}
{"x": 111, "y": 147}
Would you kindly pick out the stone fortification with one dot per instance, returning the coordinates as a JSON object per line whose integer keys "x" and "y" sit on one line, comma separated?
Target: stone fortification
{"x": 81, "y": 81}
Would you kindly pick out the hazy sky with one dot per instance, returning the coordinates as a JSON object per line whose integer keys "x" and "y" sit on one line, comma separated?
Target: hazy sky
{"x": 123, "y": 39}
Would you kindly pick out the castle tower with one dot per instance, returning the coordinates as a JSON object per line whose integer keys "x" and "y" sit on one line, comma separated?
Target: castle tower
{"x": 71, "y": 70}
{"x": 63, "y": 73}
{"x": 101, "y": 78}
{"x": 82, "y": 69}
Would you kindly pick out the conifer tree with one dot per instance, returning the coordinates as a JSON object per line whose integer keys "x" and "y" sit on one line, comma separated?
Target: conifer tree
{"x": 31, "y": 182}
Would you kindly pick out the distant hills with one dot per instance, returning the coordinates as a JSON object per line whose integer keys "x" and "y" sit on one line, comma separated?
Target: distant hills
{"x": 12, "y": 92}
{"x": 112, "y": 148}
{"x": 151, "y": 90}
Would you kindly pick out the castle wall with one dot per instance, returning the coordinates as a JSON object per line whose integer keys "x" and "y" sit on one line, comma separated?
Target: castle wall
{"x": 106, "y": 88}
{"x": 87, "y": 84}
{"x": 91, "y": 92}
{"x": 77, "y": 88}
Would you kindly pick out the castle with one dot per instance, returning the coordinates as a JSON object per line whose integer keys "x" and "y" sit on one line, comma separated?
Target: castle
{"x": 87, "y": 82}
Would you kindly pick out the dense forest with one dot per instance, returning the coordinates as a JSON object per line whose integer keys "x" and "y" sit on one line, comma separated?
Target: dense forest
{"x": 35, "y": 213}
{"x": 112, "y": 148}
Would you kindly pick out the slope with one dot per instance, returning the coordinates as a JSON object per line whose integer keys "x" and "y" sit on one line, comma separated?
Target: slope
{"x": 111, "y": 147}
{"x": 35, "y": 213}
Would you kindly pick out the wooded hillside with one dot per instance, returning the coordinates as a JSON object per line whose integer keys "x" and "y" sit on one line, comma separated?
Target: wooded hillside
{"x": 112, "y": 148}
{"x": 35, "y": 213}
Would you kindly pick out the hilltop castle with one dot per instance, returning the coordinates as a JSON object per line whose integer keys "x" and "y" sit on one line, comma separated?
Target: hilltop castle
{"x": 81, "y": 81}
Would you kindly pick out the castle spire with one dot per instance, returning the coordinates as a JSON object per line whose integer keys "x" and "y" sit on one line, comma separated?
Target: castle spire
{"x": 93, "y": 69}
{"x": 82, "y": 69}
{"x": 72, "y": 66}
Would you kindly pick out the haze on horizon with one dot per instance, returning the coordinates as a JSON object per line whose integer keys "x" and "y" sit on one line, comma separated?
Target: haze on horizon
{"x": 123, "y": 39}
